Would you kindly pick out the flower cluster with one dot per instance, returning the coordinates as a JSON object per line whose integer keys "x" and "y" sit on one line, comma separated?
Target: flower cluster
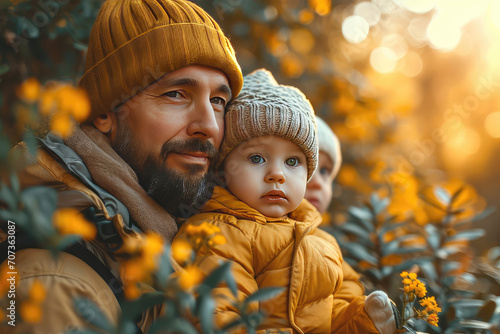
{"x": 412, "y": 286}
{"x": 31, "y": 310}
{"x": 189, "y": 251}
{"x": 61, "y": 102}
{"x": 431, "y": 310}
{"x": 145, "y": 253}
{"x": 71, "y": 221}
{"x": 414, "y": 289}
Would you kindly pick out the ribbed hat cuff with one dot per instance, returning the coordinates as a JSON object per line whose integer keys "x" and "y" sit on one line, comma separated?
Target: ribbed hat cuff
{"x": 143, "y": 60}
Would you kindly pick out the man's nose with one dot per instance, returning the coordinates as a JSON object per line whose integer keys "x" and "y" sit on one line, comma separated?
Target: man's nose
{"x": 275, "y": 175}
{"x": 203, "y": 122}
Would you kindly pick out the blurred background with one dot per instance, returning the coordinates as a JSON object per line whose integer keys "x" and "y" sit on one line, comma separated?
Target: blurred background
{"x": 411, "y": 87}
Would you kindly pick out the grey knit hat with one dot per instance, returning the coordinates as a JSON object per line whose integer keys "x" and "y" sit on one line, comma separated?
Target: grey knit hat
{"x": 264, "y": 108}
{"x": 329, "y": 143}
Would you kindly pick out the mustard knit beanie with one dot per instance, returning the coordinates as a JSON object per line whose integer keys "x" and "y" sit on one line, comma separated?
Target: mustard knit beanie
{"x": 329, "y": 144}
{"x": 135, "y": 42}
{"x": 264, "y": 108}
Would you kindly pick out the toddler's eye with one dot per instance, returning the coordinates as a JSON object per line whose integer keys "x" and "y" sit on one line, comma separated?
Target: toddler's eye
{"x": 292, "y": 162}
{"x": 325, "y": 171}
{"x": 256, "y": 159}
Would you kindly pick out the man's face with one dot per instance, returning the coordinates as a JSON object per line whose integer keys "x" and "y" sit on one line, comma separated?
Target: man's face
{"x": 170, "y": 133}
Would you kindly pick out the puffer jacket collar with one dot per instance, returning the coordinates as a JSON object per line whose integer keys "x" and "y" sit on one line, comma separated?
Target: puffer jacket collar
{"x": 223, "y": 201}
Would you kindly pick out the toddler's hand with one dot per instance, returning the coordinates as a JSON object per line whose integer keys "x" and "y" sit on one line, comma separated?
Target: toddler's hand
{"x": 379, "y": 309}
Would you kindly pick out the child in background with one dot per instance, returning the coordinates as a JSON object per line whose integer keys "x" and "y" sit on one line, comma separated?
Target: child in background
{"x": 319, "y": 188}
{"x": 269, "y": 152}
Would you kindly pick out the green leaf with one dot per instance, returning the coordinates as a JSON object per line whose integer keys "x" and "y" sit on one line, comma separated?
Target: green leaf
{"x": 164, "y": 269}
{"x": 264, "y": 294}
{"x": 178, "y": 325}
{"x": 378, "y": 204}
{"x": 393, "y": 246}
{"x": 485, "y": 213}
{"x": 67, "y": 240}
{"x": 359, "y": 252}
{"x": 442, "y": 195}
{"x": 215, "y": 277}
{"x": 475, "y": 324}
{"x": 355, "y": 229}
{"x": 391, "y": 226}
{"x": 8, "y": 196}
{"x": 433, "y": 236}
{"x": 4, "y": 68}
{"x": 429, "y": 270}
{"x": 91, "y": 313}
{"x": 206, "y": 313}
{"x": 467, "y": 235}
{"x": 493, "y": 255}
{"x": 363, "y": 216}
{"x": 131, "y": 309}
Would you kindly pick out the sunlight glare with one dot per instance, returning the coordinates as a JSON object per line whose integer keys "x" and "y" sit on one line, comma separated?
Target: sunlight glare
{"x": 383, "y": 59}
{"x": 368, "y": 11}
{"x": 355, "y": 29}
{"x": 419, "y": 6}
{"x": 442, "y": 33}
{"x": 492, "y": 124}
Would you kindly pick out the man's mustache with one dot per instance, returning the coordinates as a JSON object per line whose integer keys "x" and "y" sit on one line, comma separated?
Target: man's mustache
{"x": 190, "y": 145}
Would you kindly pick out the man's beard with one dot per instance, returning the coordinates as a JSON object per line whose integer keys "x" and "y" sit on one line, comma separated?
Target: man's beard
{"x": 180, "y": 194}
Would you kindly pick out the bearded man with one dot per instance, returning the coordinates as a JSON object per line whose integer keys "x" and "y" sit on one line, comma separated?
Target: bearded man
{"x": 159, "y": 74}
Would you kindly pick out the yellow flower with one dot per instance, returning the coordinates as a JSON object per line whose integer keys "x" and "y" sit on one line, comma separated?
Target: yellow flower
{"x": 31, "y": 312}
{"x": 29, "y": 90}
{"x": 407, "y": 281}
{"x": 404, "y": 274}
{"x": 181, "y": 250}
{"x": 190, "y": 277}
{"x": 412, "y": 276}
{"x": 133, "y": 270}
{"x": 71, "y": 221}
{"x": 62, "y": 124}
{"x": 37, "y": 292}
{"x": 131, "y": 291}
{"x": 433, "y": 319}
{"x": 218, "y": 239}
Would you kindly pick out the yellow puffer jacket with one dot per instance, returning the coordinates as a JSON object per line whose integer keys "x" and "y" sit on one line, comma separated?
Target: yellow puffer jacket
{"x": 289, "y": 252}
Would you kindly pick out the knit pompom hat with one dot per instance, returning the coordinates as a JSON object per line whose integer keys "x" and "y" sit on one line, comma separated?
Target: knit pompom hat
{"x": 264, "y": 108}
{"x": 135, "y": 42}
{"x": 329, "y": 144}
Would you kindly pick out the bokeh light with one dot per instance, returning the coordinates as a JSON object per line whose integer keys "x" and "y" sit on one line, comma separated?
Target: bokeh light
{"x": 368, "y": 11}
{"x": 494, "y": 13}
{"x": 412, "y": 64}
{"x": 492, "y": 124}
{"x": 418, "y": 6}
{"x": 383, "y": 59}
{"x": 355, "y": 29}
{"x": 464, "y": 141}
{"x": 396, "y": 43}
{"x": 442, "y": 33}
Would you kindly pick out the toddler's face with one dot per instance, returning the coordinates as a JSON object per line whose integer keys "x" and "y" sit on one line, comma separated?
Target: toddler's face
{"x": 268, "y": 173}
{"x": 319, "y": 188}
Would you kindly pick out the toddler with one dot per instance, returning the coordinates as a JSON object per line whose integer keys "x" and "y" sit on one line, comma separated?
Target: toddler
{"x": 268, "y": 154}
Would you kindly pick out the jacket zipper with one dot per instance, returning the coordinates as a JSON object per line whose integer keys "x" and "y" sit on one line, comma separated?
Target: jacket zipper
{"x": 290, "y": 315}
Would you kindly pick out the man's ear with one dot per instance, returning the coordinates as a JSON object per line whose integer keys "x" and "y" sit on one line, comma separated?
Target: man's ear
{"x": 105, "y": 122}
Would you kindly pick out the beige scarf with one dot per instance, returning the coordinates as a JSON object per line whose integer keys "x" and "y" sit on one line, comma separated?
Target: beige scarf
{"x": 115, "y": 176}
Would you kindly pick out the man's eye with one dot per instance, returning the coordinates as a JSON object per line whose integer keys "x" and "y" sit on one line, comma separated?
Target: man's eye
{"x": 173, "y": 94}
{"x": 219, "y": 101}
{"x": 256, "y": 159}
{"x": 292, "y": 162}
